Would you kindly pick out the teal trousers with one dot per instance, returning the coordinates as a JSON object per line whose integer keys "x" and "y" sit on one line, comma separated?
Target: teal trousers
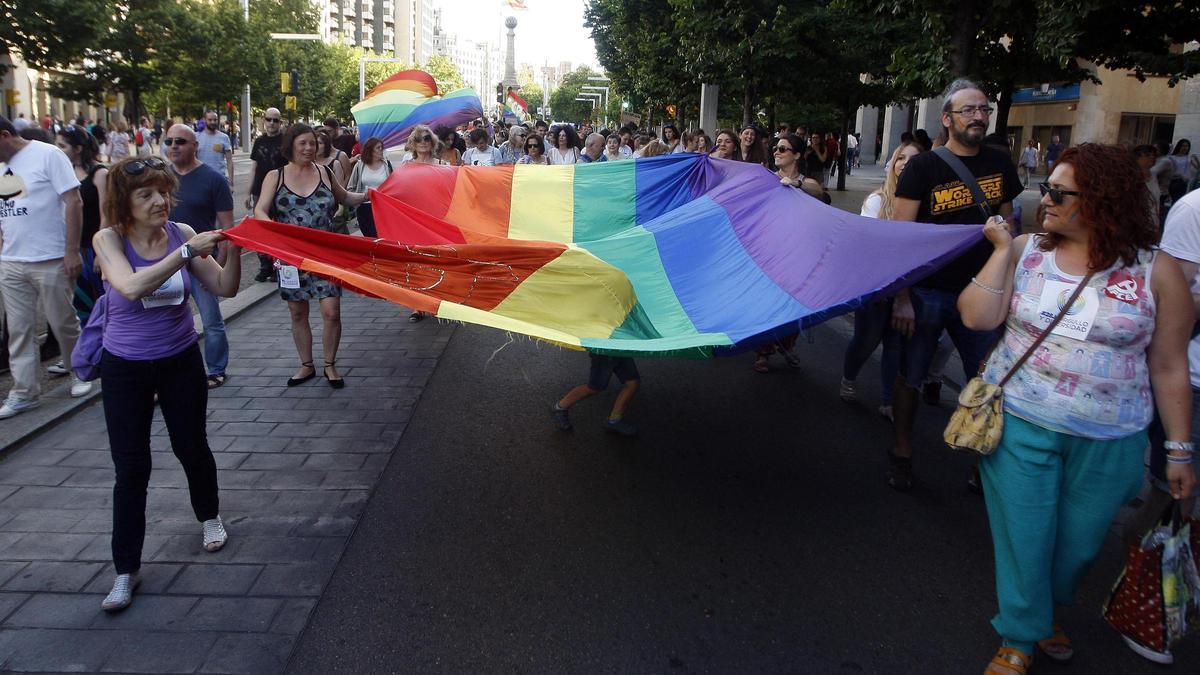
{"x": 1050, "y": 500}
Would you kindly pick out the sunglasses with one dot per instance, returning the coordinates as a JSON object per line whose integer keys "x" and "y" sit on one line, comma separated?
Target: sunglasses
{"x": 423, "y": 139}
{"x": 139, "y": 166}
{"x": 1057, "y": 195}
{"x": 175, "y": 141}
{"x": 783, "y": 148}
{"x": 272, "y": 119}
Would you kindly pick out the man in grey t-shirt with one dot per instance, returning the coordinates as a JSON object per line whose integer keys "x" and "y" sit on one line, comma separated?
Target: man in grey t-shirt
{"x": 214, "y": 148}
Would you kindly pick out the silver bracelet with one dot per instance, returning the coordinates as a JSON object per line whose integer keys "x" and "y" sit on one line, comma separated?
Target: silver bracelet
{"x": 989, "y": 289}
{"x": 1172, "y": 459}
{"x": 1180, "y": 446}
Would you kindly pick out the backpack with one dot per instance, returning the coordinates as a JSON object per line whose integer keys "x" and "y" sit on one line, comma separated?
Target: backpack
{"x": 137, "y": 138}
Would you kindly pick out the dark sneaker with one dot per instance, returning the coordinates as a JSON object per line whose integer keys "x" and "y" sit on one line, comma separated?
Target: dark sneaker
{"x": 931, "y": 392}
{"x": 562, "y": 420}
{"x": 620, "y": 427}
{"x": 261, "y": 276}
{"x": 900, "y": 473}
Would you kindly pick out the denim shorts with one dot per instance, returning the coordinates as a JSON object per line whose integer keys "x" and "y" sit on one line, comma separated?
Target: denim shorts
{"x": 936, "y": 310}
{"x": 604, "y": 367}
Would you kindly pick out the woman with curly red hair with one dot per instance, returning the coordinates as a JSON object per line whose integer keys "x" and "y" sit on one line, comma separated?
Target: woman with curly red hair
{"x": 1076, "y": 412}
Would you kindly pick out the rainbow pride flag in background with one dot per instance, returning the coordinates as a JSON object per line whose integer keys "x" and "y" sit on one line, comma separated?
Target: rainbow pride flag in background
{"x": 675, "y": 255}
{"x": 391, "y": 110}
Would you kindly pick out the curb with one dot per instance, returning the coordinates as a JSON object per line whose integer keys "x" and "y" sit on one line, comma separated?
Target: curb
{"x": 57, "y": 404}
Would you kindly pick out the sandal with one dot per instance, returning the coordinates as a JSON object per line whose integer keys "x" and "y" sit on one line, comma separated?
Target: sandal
{"x": 1057, "y": 647}
{"x": 336, "y": 384}
{"x": 293, "y": 381}
{"x": 762, "y": 364}
{"x": 416, "y": 316}
{"x": 215, "y": 381}
{"x": 1009, "y": 661}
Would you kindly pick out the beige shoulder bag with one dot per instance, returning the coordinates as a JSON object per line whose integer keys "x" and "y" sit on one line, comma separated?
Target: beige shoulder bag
{"x": 978, "y": 423}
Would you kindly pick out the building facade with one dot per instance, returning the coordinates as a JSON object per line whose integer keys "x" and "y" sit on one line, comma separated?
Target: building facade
{"x": 399, "y": 28}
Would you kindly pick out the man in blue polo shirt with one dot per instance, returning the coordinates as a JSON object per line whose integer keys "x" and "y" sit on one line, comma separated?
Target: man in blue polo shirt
{"x": 202, "y": 200}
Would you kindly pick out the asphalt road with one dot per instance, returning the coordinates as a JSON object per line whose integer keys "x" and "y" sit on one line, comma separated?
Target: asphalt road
{"x": 748, "y": 528}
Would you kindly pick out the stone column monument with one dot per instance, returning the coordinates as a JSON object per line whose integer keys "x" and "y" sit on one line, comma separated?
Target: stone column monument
{"x": 510, "y": 58}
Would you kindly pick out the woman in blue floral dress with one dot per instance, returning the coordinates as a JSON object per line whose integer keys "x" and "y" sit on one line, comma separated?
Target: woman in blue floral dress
{"x": 308, "y": 195}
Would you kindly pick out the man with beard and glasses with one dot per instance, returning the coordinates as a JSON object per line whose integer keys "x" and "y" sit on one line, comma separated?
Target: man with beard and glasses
{"x": 930, "y": 191}
{"x": 265, "y": 157}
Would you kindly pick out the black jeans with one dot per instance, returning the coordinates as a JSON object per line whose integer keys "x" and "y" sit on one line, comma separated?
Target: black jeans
{"x": 129, "y": 389}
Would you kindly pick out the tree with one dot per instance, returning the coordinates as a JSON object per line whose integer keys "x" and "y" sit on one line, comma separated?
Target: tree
{"x": 447, "y": 75}
{"x": 562, "y": 99}
{"x": 52, "y": 33}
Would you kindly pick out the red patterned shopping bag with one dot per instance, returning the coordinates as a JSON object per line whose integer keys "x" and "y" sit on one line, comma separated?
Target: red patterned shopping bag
{"x": 1135, "y": 607}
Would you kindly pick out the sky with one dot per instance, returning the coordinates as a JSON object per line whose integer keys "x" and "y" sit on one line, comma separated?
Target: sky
{"x": 547, "y": 32}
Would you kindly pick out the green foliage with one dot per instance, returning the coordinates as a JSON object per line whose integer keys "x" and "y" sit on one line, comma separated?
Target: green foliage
{"x": 447, "y": 75}
{"x": 562, "y": 99}
{"x": 52, "y": 33}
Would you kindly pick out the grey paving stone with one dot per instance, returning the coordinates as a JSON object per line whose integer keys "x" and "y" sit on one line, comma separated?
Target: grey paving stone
{"x": 256, "y": 444}
{"x": 88, "y": 459}
{"x": 247, "y": 429}
{"x": 53, "y": 577}
{"x": 9, "y": 602}
{"x": 331, "y": 461}
{"x": 240, "y": 478}
{"x": 337, "y": 416}
{"x": 254, "y": 654}
{"x": 153, "y": 652}
{"x": 376, "y": 463}
{"x": 34, "y": 475}
{"x": 337, "y": 445}
{"x": 156, "y": 577}
{"x": 53, "y": 610}
{"x": 288, "y": 479}
{"x": 350, "y": 480}
{"x": 187, "y": 548}
{"x": 97, "y": 477}
{"x": 246, "y": 615}
{"x": 305, "y": 502}
{"x": 64, "y": 497}
{"x": 228, "y": 403}
{"x": 324, "y": 404}
{"x": 215, "y": 579}
{"x": 305, "y": 430}
{"x": 47, "y": 546}
{"x": 330, "y": 550}
{"x": 100, "y": 547}
{"x": 63, "y": 651}
{"x": 9, "y": 568}
{"x": 324, "y": 526}
{"x": 43, "y": 520}
{"x": 356, "y": 431}
{"x": 272, "y": 404}
{"x": 288, "y": 415}
{"x": 43, "y": 457}
{"x": 293, "y": 616}
{"x": 148, "y": 612}
{"x": 270, "y": 462}
{"x": 262, "y": 524}
{"x": 229, "y": 460}
{"x": 298, "y": 578}
{"x": 243, "y": 415}
{"x": 262, "y": 549}
{"x": 247, "y": 501}
{"x": 7, "y": 490}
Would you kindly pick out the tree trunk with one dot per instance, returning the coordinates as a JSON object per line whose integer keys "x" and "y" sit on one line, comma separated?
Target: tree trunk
{"x": 962, "y": 39}
{"x": 1004, "y": 106}
{"x": 841, "y": 161}
{"x": 747, "y": 105}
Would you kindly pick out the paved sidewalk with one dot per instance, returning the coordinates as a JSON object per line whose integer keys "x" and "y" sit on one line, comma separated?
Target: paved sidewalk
{"x": 295, "y": 466}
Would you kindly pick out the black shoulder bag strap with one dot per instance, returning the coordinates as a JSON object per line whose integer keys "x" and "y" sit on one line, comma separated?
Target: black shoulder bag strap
{"x": 965, "y": 176}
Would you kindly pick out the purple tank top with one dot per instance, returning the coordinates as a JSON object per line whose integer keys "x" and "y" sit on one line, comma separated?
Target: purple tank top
{"x": 158, "y": 325}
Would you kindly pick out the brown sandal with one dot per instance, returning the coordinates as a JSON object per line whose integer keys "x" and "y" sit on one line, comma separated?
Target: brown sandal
{"x": 1009, "y": 661}
{"x": 1057, "y": 647}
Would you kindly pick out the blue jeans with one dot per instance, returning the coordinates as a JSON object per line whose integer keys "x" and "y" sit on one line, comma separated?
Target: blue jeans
{"x": 935, "y": 311}
{"x": 872, "y": 325}
{"x": 216, "y": 345}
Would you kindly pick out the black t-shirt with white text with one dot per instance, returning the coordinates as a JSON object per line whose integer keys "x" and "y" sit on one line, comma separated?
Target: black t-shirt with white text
{"x": 945, "y": 200}
{"x": 267, "y": 158}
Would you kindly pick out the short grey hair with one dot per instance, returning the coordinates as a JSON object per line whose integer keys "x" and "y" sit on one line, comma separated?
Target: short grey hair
{"x": 592, "y": 138}
{"x": 961, "y": 84}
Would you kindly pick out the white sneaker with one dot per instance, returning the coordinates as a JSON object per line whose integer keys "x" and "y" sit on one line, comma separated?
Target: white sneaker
{"x": 214, "y": 535}
{"x": 80, "y": 388}
{"x": 121, "y": 594}
{"x": 58, "y": 369}
{"x": 14, "y": 406}
{"x": 1164, "y": 657}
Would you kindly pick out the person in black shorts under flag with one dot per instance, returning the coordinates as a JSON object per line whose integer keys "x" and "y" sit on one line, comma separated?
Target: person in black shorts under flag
{"x": 602, "y": 370}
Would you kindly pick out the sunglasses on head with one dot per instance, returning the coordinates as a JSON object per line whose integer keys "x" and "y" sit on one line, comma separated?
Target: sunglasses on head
{"x": 1057, "y": 195}
{"x": 175, "y": 141}
{"x": 139, "y": 166}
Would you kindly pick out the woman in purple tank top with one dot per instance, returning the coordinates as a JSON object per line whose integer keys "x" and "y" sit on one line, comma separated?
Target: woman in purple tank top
{"x": 150, "y": 350}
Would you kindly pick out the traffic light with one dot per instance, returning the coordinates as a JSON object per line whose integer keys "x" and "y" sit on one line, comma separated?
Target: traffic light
{"x": 285, "y": 83}
{"x": 295, "y": 80}
{"x": 500, "y": 93}
{"x": 12, "y": 96}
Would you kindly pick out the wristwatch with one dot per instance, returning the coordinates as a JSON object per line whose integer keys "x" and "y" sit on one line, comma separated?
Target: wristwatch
{"x": 187, "y": 252}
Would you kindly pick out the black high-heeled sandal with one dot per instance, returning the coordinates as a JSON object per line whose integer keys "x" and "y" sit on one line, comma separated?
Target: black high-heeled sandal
{"x": 336, "y": 384}
{"x": 293, "y": 381}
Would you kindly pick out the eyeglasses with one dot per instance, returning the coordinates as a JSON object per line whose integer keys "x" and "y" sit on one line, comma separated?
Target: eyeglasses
{"x": 139, "y": 166}
{"x": 175, "y": 141}
{"x": 1056, "y": 194}
{"x": 272, "y": 119}
{"x": 970, "y": 110}
{"x": 534, "y": 146}
{"x": 423, "y": 139}
{"x": 783, "y": 148}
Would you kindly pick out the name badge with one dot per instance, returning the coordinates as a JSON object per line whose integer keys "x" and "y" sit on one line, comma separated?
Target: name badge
{"x": 289, "y": 277}
{"x": 170, "y": 293}
{"x": 1078, "y": 320}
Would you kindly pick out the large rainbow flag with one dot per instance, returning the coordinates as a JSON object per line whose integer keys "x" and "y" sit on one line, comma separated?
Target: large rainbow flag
{"x": 391, "y": 110}
{"x": 673, "y": 255}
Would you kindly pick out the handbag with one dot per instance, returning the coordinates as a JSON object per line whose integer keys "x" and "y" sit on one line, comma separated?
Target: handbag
{"x": 85, "y": 358}
{"x": 1156, "y": 598}
{"x": 978, "y": 422}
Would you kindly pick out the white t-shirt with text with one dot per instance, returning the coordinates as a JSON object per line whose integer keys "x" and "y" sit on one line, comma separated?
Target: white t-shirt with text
{"x": 31, "y": 211}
